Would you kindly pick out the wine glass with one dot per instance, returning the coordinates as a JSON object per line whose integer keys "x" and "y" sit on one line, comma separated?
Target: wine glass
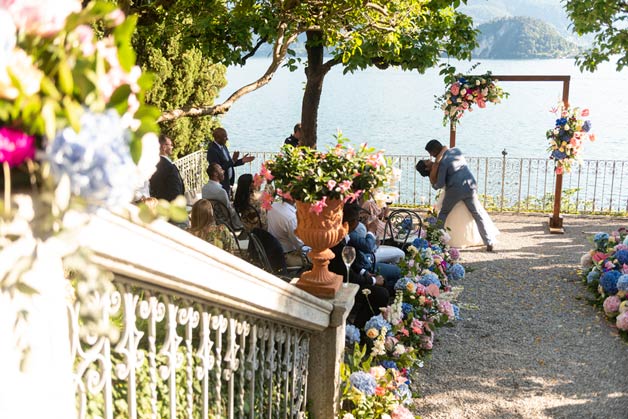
{"x": 348, "y": 256}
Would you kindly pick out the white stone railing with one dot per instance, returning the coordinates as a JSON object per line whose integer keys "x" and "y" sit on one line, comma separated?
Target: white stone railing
{"x": 202, "y": 333}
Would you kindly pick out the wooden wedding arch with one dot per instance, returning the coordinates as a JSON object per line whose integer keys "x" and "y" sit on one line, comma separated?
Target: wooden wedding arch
{"x": 556, "y": 220}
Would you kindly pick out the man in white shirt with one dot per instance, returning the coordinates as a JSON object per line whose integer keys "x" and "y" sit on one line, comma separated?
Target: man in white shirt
{"x": 282, "y": 221}
{"x": 214, "y": 190}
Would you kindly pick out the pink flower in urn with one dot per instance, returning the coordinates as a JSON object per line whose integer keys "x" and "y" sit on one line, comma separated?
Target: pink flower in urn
{"x": 15, "y": 146}
{"x": 481, "y": 103}
{"x": 622, "y": 321}
{"x": 266, "y": 201}
{"x": 455, "y": 89}
{"x": 265, "y": 173}
{"x": 257, "y": 181}
{"x": 318, "y": 206}
{"x": 331, "y": 184}
{"x": 611, "y": 305}
{"x": 345, "y": 185}
{"x": 353, "y": 196}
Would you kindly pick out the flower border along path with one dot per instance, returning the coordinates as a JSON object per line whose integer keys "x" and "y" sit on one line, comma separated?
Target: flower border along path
{"x": 380, "y": 359}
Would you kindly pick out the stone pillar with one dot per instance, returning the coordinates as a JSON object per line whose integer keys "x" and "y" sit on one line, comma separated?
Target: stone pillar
{"x": 326, "y": 354}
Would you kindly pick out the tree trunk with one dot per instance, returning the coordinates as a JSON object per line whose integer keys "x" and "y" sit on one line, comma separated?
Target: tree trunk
{"x": 315, "y": 73}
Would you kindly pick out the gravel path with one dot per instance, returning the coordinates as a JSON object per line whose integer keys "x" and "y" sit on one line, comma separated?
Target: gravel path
{"x": 528, "y": 344}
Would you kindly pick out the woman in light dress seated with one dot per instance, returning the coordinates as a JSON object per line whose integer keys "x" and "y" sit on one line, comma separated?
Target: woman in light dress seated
{"x": 204, "y": 227}
{"x": 460, "y": 223}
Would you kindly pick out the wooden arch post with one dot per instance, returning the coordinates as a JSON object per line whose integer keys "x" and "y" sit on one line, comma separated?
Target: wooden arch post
{"x": 556, "y": 220}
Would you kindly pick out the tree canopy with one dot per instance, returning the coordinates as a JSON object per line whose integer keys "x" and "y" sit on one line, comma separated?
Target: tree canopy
{"x": 410, "y": 34}
{"x": 184, "y": 75}
{"x": 608, "y": 20}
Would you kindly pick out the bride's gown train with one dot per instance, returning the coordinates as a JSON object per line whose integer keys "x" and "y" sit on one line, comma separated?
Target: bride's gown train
{"x": 462, "y": 227}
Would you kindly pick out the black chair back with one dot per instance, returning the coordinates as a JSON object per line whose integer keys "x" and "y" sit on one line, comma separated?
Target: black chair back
{"x": 402, "y": 224}
{"x": 266, "y": 251}
{"x": 222, "y": 214}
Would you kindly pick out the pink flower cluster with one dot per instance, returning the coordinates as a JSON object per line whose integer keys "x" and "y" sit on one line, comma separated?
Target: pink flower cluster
{"x": 15, "y": 146}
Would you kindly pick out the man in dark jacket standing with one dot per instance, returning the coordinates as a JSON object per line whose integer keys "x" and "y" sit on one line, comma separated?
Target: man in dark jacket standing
{"x": 295, "y": 137}
{"x": 217, "y": 152}
{"x": 166, "y": 182}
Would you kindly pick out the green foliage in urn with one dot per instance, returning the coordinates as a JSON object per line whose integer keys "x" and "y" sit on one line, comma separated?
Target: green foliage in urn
{"x": 312, "y": 176}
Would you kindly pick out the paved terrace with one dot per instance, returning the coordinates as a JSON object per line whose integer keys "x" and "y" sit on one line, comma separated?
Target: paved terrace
{"x": 528, "y": 345}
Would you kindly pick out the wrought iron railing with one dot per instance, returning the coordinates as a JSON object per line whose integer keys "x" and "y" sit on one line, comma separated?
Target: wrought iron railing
{"x": 200, "y": 335}
{"x": 504, "y": 183}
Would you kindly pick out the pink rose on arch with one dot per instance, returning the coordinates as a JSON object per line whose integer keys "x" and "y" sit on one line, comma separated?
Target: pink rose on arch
{"x": 455, "y": 89}
{"x": 584, "y": 112}
{"x": 15, "y": 146}
{"x": 481, "y": 103}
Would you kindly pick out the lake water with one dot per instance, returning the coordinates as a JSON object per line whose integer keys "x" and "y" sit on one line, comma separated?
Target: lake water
{"x": 394, "y": 109}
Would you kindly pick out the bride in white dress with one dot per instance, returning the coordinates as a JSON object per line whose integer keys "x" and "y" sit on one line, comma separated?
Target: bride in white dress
{"x": 460, "y": 223}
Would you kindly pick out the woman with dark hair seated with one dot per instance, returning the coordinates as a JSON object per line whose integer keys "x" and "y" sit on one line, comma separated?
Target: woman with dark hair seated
{"x": 204, "y": 227}
{"x": 247, "y": 204}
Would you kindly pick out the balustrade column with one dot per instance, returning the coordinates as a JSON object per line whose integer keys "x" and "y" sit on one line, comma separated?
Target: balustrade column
{"x": 326, "y": 354}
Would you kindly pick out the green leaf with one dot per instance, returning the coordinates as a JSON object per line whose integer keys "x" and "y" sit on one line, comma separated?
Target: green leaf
{"x": 119, "y": 99}
{"x": 136, "y": 149}
{"x": 66, "y": 81}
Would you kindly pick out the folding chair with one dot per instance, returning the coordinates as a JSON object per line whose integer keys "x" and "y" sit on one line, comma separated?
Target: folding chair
{"x": 402, "y": 226}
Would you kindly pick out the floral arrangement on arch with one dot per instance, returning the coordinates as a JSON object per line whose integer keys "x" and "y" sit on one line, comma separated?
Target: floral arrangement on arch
{"x": 605, "y": 271}
{"x": 315, "y": 177}
{"x": 567, "y": 137}
{"x": 463, "y": 92}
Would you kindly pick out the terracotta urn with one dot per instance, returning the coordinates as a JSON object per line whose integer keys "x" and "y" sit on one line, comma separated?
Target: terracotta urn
{"x": 320, "y": 232}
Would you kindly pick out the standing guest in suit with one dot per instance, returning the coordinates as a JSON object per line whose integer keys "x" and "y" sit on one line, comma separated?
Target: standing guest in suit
{"x": 217, "y": 152}
{"x": 295, "y": 137}
{"x": 213, "y": 190}
{"x": 166, "y": 182}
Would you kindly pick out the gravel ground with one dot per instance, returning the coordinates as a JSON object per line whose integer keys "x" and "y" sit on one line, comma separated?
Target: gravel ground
{"x": 528, "y": 345}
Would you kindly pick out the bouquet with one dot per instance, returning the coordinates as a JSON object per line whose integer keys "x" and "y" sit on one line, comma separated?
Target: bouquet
{"x": 465, "y": 91}
{"x": 312, "y": 176}
{"x": 566, "y": 138}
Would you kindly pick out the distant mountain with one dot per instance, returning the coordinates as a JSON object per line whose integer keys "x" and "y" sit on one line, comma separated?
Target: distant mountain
{"x": 522, "y": 37}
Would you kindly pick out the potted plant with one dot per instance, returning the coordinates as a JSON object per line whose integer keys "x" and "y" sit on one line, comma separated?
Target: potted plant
{"x": 321, "y": 182}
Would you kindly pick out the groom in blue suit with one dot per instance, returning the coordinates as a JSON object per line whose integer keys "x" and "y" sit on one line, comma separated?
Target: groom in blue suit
{"x": 217, "y": 152}
{"x": 454, "y": 174}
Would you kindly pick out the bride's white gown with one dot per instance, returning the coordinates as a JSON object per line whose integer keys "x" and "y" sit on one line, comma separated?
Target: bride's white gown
{"x": 462, "y": 227}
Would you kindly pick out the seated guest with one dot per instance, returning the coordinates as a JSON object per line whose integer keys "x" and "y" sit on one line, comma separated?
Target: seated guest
{"x": 366, "y": 306}
{"x": 166, "y": 182}
{"x": 247, "y": 205}
{"x": 214, "y": 190}
{"x": 366, "y": 247}
{"x": 282, "y": 221}
{"x": 204, "y": 227}
{"x": 376, "y": 216}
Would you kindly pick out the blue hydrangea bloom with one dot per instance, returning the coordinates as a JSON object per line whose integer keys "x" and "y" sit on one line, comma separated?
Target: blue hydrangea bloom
{"x": 406, "y": 308}
{"x": 601, "y": 240}
{"x": 594, "y": 275}
{"x": 430, "y": 278}
{"x": 420, "y": 243}
{"x": 378, "y": 323}
{"x": 586, "y": 126}
{"x": 389, "y": 364}
{"x": 456, "y": 311}
{"x": 436, "y": 248}
{"x": 561, "y": 121}
{"x": 608, "y": 281}
{"x": 558, "y": 155}
{"x": 622, "y": 283}
{"x": 622, "y": 256}
{"x": 363, "y": 382}
{"x": 406, "y": 223}
{"x": 456, "y": 272}
{"x": 403, "y": 392}
{"x": 97, "y": 160}
{"x": 402, "y": 283}
{"x": 352, "y": 335}
{"x": 431, "y": 220}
